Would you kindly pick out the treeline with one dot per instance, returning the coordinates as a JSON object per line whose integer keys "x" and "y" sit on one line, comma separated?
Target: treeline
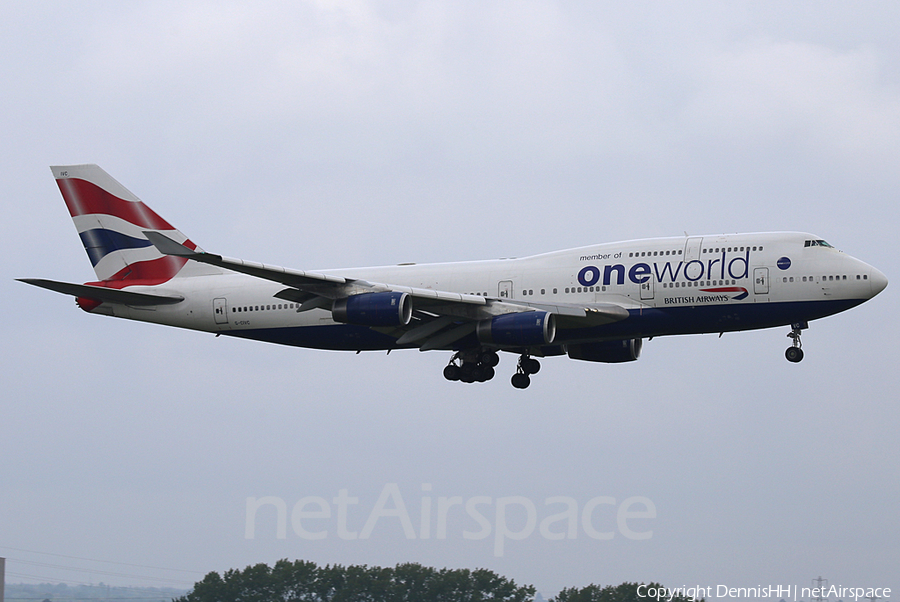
{"x": 302, "y": 581}
{"x": 61, "y": 592}
{"x": 626, "y": 592}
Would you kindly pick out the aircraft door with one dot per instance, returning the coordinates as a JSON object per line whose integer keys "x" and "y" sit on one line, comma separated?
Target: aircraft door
{"x": 761, "y": 281}
{"x": 504, "y": 290}
{"x": 219, "y": 311}
{"x": 692, "y": 248}
{"x": 647, "y": 289}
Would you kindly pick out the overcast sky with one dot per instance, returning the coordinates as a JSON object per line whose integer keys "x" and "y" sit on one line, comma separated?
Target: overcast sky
{"x": 332, "y": 134}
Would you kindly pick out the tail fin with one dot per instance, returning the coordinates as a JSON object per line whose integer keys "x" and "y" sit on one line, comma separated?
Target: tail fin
{"x": 110, "y": 221}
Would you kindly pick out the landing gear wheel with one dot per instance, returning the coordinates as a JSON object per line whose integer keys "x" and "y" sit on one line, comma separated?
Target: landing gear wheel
{"x": 520, "y": 380}
{"x": 793, "y": 354}
{"x": 489, "y": 358}
{"x": 530, "y": 365}
{"x": 486, "y": 373}
{"x": 468, "y": 372}
{"x": 452, "y": 372}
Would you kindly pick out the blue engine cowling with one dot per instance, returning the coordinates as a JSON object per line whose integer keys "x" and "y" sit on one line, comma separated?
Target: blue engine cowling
{"x": 374, "y": 309}
{"x": 610, "y": 352}
{"x": 524, "y": 329}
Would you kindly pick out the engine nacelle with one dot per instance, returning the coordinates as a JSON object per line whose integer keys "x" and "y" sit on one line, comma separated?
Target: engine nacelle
{"x": 523, "y": 329}
{"x": 374, "y": 309}
{"x": 610, "y": 352}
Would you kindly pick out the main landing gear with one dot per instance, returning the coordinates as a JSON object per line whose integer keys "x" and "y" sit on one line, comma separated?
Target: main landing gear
{"x": 794, "y": 353}
{"x": 477, "y": 365}
{"x": 472, "y": 366}
{"x": 527, "y": 365}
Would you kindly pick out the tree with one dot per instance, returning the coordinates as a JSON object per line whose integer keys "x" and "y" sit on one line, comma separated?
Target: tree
{"x": 300, "y": 581}
{"x": 626, "y": 592}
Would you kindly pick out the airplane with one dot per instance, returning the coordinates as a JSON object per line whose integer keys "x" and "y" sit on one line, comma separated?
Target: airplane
{"x": 596, "y": 303}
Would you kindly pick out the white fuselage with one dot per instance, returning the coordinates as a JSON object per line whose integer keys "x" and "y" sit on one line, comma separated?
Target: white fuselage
{"x": 668, "y": 285}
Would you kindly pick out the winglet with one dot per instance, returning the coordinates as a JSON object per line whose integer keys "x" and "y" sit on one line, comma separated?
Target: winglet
{"x": 167, "y": 246}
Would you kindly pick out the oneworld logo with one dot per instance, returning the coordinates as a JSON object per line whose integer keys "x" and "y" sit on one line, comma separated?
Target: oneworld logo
{"x": 500, "y": 519}
{"x": 783, "y": 263}
{"x": 720, "y": 267}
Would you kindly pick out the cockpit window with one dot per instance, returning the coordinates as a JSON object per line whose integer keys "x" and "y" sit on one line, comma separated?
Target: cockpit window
{"x": 817, "y": 243}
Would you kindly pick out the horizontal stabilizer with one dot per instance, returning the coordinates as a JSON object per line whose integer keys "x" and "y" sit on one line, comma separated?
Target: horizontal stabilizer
{"x": 101, "y": 293}
{"x": 167, "y": 246}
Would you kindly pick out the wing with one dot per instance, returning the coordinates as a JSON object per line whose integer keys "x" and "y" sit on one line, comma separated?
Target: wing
{"x": 440, "y": 318}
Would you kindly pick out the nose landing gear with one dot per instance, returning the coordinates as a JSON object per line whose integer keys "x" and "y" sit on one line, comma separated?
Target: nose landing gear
{"x": 794, "y": 353}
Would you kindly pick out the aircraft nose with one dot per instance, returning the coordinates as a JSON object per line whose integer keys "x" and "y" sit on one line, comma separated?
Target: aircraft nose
{"x": 878, "y": 281}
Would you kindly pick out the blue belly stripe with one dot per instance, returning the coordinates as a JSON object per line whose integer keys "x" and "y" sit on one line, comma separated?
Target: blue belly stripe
{"x": 644, "y": 323}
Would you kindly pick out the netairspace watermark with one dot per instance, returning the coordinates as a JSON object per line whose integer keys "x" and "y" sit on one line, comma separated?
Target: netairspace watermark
{"x": 785, "y": 592}
{"x": 511, "y": 518}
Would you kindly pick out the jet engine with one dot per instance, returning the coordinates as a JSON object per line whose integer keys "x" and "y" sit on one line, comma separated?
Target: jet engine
{"x": 523, "y": 329}
{"x": 374, "y": 309}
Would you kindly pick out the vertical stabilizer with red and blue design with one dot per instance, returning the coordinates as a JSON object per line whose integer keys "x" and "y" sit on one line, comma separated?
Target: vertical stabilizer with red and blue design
{"x": 111, "y": 220}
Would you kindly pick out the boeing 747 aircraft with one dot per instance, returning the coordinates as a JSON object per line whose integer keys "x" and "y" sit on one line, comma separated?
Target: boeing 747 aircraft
{"x": 595, "y": 303}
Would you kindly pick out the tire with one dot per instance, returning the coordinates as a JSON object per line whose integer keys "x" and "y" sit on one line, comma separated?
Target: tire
{"x": 487, "y": 373}
{"x": 793, "y": 354}
{"x": 531, "y": 366}
{"x": 467, "y": 373}
{"x": 451, "y": 372}
{"x": 490, "y": 358}
{"x": 520, "y": 381}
